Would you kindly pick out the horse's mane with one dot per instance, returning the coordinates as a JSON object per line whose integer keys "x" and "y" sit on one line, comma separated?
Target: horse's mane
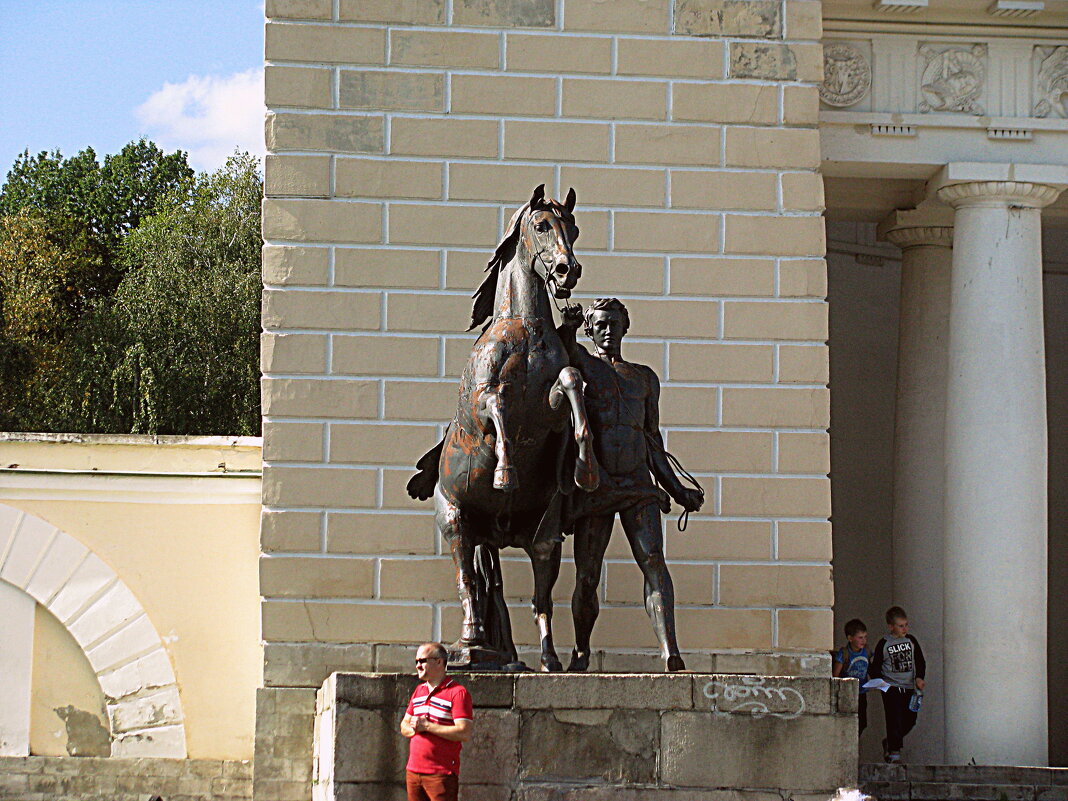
{"x": 486, "y": 294}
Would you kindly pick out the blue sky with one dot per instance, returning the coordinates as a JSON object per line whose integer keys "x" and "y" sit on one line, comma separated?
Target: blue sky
{"x": 76, "y": 73}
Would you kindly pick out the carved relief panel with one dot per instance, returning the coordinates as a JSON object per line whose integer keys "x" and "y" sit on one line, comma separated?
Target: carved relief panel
{"x": 947, "y": 77}
{"x": 847, "y": 74}
{"x": 1050, "y": 68}
{"x": 952, "y": 77}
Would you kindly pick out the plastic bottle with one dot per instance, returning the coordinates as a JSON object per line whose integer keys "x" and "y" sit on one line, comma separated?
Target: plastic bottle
{"x": 915, "y": 701}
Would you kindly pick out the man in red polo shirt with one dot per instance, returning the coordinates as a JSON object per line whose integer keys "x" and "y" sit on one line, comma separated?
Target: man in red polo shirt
{"x": 438, "y": 721}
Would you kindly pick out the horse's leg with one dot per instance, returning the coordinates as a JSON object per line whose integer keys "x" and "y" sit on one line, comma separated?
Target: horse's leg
{"x": 545, "y": 559}
{"x": 504, "y": 475}
{"x": 451, "y": 525}
{"x": 569, "y": 385}
{"x": 591, "y": 541}
{"x": 496, "y": 621}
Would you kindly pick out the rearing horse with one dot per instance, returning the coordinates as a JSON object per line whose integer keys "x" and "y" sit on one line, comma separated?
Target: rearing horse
{"x": 497, "y": 476}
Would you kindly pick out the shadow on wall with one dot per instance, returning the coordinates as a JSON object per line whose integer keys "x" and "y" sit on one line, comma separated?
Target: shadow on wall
{"x": 863, "y": 345}
{"x": 1055, "y": 289}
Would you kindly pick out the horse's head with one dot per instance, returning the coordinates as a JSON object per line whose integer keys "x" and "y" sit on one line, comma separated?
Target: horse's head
{"x": 540, "y": 237}
{"x": 547, "y": 232}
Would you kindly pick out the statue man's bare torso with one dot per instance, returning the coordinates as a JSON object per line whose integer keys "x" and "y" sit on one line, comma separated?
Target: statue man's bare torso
{"x": 617, "y": 394}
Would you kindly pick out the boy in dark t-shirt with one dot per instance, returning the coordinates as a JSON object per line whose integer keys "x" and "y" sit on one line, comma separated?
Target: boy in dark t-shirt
{"x": 898, "y": 659}
{"x": 851, "y": 662}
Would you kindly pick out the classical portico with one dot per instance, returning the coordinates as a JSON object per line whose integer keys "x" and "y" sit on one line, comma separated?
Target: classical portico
{"x": 970, "y": 454}
{"x": 944, "y": 130}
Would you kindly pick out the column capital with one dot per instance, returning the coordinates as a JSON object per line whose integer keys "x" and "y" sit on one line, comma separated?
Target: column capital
{"x": 941, "y": 236}
{"x": 928, "y": 224}
{"x": 1023, "y": 194}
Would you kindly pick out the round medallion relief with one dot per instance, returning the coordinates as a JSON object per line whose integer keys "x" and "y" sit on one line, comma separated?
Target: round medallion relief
{"x": 847, "y": 75}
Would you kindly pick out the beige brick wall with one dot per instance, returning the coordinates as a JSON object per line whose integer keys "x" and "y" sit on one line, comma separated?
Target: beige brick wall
{"x": 402, "y": 135}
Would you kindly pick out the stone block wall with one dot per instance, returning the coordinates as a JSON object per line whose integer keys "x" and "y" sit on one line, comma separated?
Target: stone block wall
{"x": 590, "y": 737}
{"x": 39, "y": 778}
{"x": 401, "y": 136}
{"x": 284, "y": 724}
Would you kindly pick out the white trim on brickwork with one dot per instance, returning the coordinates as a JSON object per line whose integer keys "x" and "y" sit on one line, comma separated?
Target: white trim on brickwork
{"x": 110, "y": 625}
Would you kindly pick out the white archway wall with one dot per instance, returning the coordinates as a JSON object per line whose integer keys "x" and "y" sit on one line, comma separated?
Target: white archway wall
{"x": 109, "y": 624}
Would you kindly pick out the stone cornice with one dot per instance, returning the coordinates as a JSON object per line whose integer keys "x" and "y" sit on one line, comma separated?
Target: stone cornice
{"x": 998, "y": 193}
{"x": 911, "y": 237}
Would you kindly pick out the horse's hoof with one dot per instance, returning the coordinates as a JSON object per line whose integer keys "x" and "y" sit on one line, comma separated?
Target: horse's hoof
{"x": 579, "y": 662}
{"x": 505, "y": 478}
{"x": 586, "y": 477}
{"x": 675, "y": 663}
{"x": 551, "y": 665}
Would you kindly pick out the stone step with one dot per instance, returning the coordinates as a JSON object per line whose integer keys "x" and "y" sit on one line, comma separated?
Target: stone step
{"x": 964, "y": 783}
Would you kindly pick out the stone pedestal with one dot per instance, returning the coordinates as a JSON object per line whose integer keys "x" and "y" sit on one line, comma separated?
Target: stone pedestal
{"x": 919, "y": 464}
{"x": 625, "y": 737}
{"x": 995, "y": 497}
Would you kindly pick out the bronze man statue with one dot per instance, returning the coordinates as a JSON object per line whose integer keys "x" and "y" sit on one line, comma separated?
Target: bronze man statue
{"x": 622, "y": 402}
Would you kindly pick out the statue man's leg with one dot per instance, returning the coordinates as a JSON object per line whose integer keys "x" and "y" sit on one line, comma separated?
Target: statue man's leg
{"x": 591, "y": 541}
{"x": 643, "y": 529}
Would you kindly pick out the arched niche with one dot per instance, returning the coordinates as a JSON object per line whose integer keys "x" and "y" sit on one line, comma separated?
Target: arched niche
{"x": 109, "y": 624}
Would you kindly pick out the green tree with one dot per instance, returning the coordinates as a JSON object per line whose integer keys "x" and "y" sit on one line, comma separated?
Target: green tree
{"x": 175, "y": 350}
{"x": 48, "y": 273}
{"x": 106, "y": 200}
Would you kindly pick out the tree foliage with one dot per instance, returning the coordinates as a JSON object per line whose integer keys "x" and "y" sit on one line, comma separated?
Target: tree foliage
{"x": 129, "y": 294}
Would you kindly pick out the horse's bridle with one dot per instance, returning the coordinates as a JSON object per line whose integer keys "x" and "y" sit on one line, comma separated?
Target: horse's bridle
{"x": 549, "y": 276}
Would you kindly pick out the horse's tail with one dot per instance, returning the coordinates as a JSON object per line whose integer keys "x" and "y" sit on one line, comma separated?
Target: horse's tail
{"x": 421, "y": 485}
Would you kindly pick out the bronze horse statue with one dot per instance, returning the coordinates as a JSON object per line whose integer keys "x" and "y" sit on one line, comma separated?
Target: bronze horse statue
{"x": 514, "y": 449}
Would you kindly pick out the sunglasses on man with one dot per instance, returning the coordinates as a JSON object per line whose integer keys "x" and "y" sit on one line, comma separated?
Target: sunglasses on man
{"x": 424, "y": 659}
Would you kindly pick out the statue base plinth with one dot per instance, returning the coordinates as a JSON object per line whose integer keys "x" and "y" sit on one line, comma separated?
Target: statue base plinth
{"x": 586, "y": 736}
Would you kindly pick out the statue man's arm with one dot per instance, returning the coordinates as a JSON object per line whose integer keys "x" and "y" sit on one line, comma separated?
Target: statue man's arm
{"x": 568, "y": 333}
{"x": 687, "y": 498}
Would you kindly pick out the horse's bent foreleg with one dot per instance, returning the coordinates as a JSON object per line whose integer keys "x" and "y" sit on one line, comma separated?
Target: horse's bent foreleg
{"x": 504, "y": 474}
{"x": 569, "y": 385}
{"x": 545, "y": 559}
{"x": 450, "y": 524}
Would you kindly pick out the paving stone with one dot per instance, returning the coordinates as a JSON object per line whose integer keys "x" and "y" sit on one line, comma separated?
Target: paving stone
{"x": 887, "y": 791}
{"x": 936, "y": 791}
{"x": 652, "y": 793}
{"x": 978, "y": 774}
{"x": 882, "y": 772}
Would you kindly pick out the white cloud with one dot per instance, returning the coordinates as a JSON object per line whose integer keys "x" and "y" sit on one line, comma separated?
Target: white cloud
{"x": 207, "y": 115}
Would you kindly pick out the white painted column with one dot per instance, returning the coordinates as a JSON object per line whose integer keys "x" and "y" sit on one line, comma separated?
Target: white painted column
{"x": 995, "y": 489}
{"x": 17, "y": 610}
{"x": 919, "y": 467}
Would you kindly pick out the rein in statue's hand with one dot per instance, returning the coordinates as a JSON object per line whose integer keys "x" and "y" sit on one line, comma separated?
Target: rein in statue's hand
{"x": 684, "y": 475}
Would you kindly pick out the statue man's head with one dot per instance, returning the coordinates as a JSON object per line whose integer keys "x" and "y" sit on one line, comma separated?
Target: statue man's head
{"x": 606, "y": 323}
